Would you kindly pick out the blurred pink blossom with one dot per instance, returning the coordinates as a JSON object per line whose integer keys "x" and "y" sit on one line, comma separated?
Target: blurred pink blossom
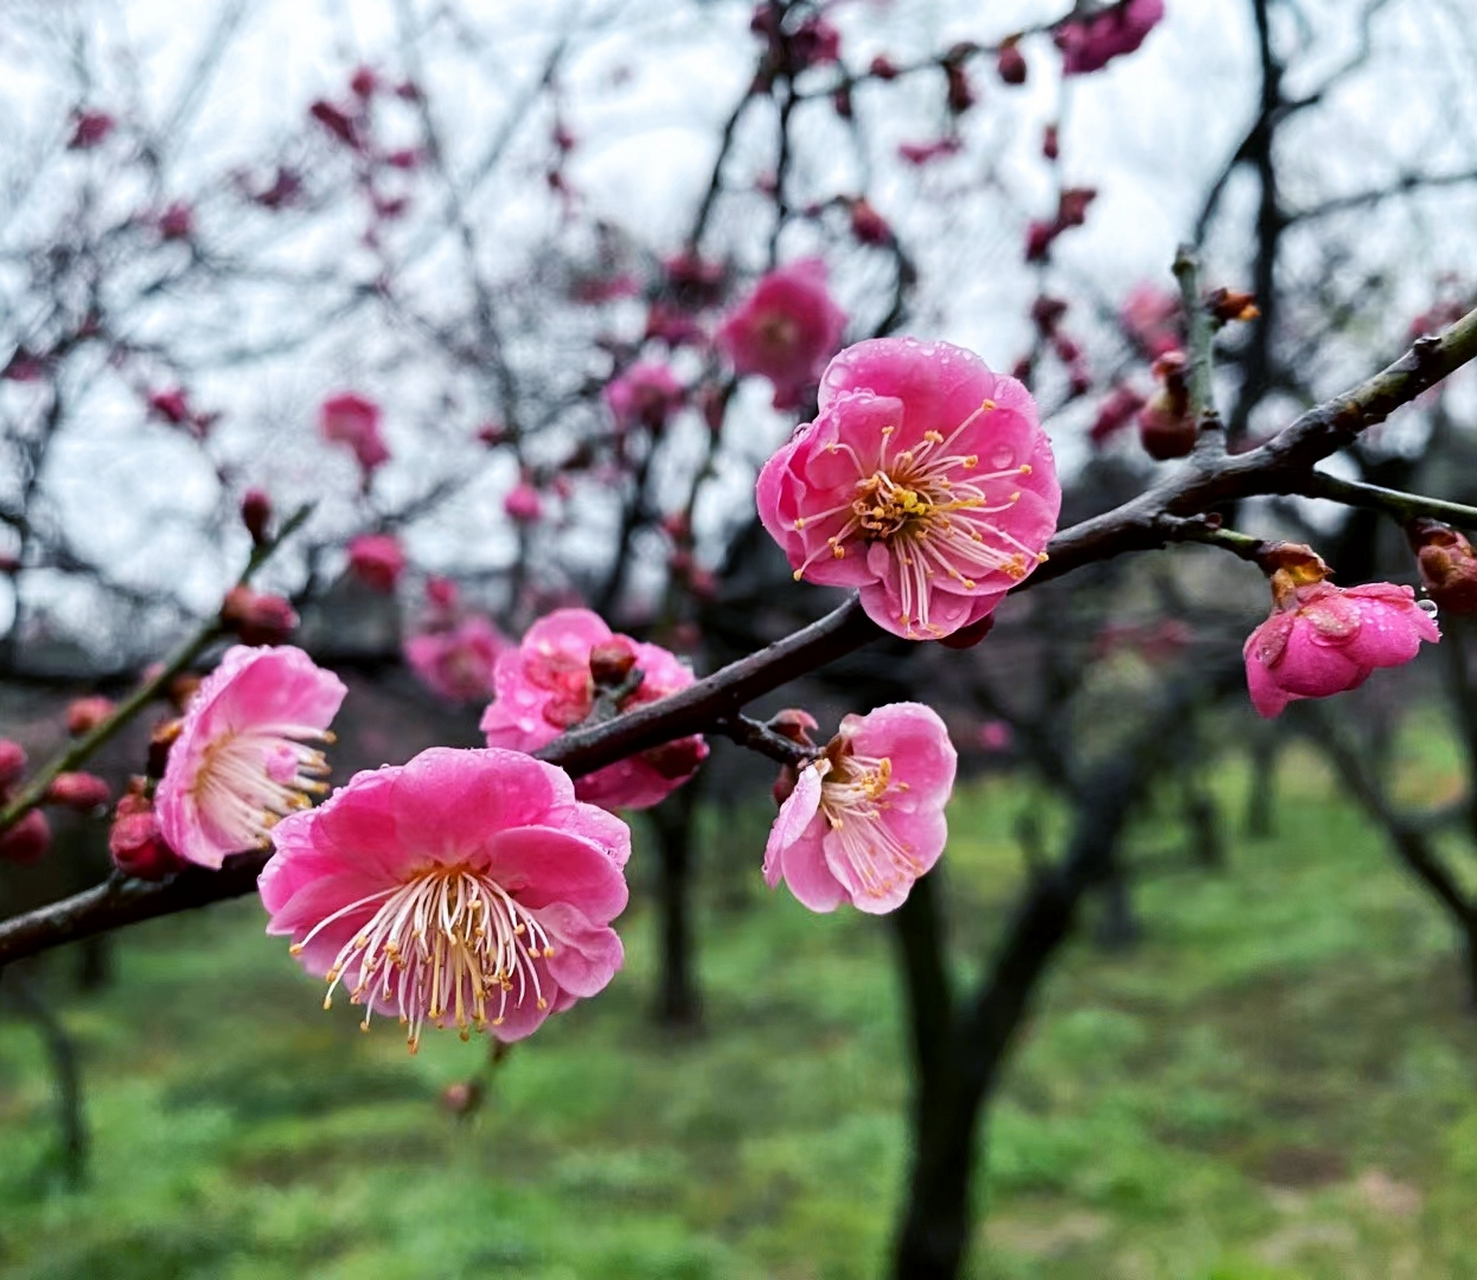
{"x": 457, "y": 662}
{"x": 785, "y": 330}
{"x": 377, "y": 560}
{"x": 1089, "y": 44}
{"x": 353, "y": 420}
{"x": 646, "y": 394}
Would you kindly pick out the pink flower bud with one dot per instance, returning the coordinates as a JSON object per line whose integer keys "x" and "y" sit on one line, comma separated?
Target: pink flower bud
{"x": 177, "y": 221}
{"x": 611, "y": 661}
{"x": 867, "y": 225}
{"x": 1010, "y": 64}
{"x": 84, "y": 791}
{"x": 134, "y": 842}
{"x": 882, "y": 68}
{"x": 1448, "y": 566}
{"x": 256, "y": 515}
{"x": 338, "y": 122}
{"x": 27, "y": 841}
{"x": 363, "y": 83}
{"x": 442, "y": 593}
{"x": 1321, "y": 639}
{"x": 258, "y": 619}
{"x": 462, "y": 1097}
{"x": 12, "y": 762}
{"x": 1051, "y": 144}
{"x": 523, "y": 503}
{"x": 377, "y": 560}
{"x": 90, "y": 129}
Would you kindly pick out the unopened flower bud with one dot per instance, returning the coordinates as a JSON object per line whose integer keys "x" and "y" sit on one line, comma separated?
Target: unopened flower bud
{"x": 1051, "y": 146}
{"x": 28, "y": 840}
{"x": 257, "y": 618}
{"x": 1010, "y": 64}
{"x": 883, "y": 68}
{"x": 12, "y": 762}
{"x": 794, "y": 724}
{"x": 134, "y": 842}
{"x": 85, "y": 714}
{"x": 256, "y": 514}
{"x": 1447, "y": 563}
{"x": 81, "y": 791}
{"x": 462, "y": 1097}
{"x": 611, "y": 662}
{"x": 960, "y": 93}
{"x": 1166, "y": 429}
{"x": 867, "y": 225}
{"x": 1227, "y": 305}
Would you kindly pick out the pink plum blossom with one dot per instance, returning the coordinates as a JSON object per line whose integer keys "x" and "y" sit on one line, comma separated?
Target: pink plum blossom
{"x": 240, "y": 761}
{"x": 523, "y": 503}
{"x": 786, "y": 330}
{"x": 1153, "y": 318}
{"x": 867, "y": 818}
{"x": 546, "y": 686}
{"x": 1321, "y": 639}
{"x": 646, "y": 394}
{"x": 377, "y": 560}
{"x": 350, "y": 419}
{"x": 466, "y": 888}
{"x": 457, "y": 661}
{"x": 1089, "y": 44}
{"x": 925, "y": 481}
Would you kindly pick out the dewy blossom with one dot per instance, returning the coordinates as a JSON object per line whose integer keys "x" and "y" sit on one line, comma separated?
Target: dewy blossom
{"x": 351, "y": 419}
{"x": 1089, "y": 44}
{"x": 547, "y": 685}
{"x": 1321, "y": 639}
{"x": 867, "y": 818}
{"x": 925, "y": 481}
{"x": 466, "y": 888}
{"x": 457, "y": 661}
{"x": 786, "y": 330}
{"x": 241, "y": 760}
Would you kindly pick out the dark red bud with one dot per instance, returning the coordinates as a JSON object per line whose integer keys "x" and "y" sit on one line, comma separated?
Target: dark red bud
{"x": 83, "y": 791}
{"x": 28, "y": 840}
{"x": 256, "y": 515}
{"x": 1447, "y": 564}
{"x": 1010, "y": 64}
{"x": 611, "y": 661}
{"x": 12, "y": 762}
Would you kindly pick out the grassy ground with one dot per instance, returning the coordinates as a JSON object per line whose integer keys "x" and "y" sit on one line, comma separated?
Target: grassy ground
{"x": 1280, "y": 1083}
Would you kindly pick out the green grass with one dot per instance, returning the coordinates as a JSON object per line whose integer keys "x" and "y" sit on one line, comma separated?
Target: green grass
{"x": 1280, "y": 1083}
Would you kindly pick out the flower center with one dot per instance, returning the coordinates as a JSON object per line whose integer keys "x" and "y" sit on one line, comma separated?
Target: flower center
{"x": 248, "y": 781}
{"x": 929, "y": 506}
{"x": 854, "y": 801}
{"x": 450, "y": 943}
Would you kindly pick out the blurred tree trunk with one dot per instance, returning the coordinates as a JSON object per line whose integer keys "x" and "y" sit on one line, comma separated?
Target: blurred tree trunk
{"x": 1262, "y": 796}
{"x": 72, "y": 1138}
{"x": 678, "y": 1000}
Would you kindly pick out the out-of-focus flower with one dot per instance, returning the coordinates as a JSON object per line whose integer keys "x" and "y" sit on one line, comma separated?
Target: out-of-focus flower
{"x": 377, "y": 560}
{"x": 240, "y": 761}
{"x": 90, "y": 129}
{"x": 353, "y": 420}
{"x": 12, "y": 762}
{"x": 523, "y": 503}
{"x": 1153, "y": 318}
{"x": 646, "y": 394}
{"x": 27, "y": 841}
{"x": 1010, "y": 63}
{"x": 1321, "y": 639}
{"x": 258, "y": 618}
{"x": 867, "y": 819}
{"x": 925, "y": 481}
{"x": 466, "y": 889}
{"x": 85, "y": 714}
{"x": 547, "y": 685}
{"x": 457, "y": 662}
{"x": 785, "y": 330}
{"x": 1089, "y": 44}
{"x": 84, "y": 791}
{"x": 176, "y": 221}
{"x": 1115, "y": 412}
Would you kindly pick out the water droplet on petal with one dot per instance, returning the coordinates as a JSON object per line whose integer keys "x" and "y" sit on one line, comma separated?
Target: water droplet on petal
{"x": 1002, "y": 458}
{"x": 527, "y": 724}
{"x": 1428, "y": 606}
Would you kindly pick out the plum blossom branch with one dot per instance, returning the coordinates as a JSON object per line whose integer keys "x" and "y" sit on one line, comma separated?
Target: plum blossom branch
{"x": 1201, "y": 354}
{"x": 76, "y": 753}
{"x": 1394, "y": 503}
{"x": 1163, "y": 515}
